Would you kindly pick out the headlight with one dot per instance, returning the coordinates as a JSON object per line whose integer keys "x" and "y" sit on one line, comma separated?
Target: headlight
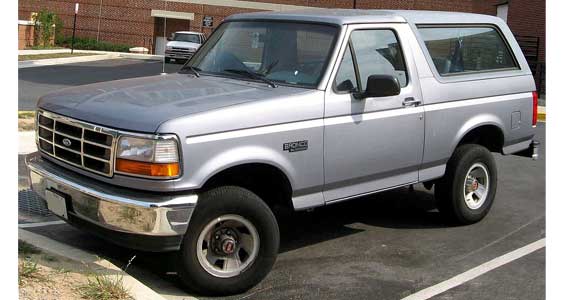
{"x": 157, "y": 158}
{"x": 168, "y": 48}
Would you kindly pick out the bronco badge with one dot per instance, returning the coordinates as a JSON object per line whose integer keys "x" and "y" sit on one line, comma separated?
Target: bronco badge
{"x": 295, "y": 146}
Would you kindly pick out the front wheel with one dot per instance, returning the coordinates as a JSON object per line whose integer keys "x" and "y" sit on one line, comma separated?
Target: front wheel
{"x": 467, "y": 190}
{"x": 231, "y": 243}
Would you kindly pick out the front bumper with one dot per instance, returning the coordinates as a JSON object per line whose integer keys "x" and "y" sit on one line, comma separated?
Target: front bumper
{"x": 135, "y": 219}
{"x": 179, "y": 55}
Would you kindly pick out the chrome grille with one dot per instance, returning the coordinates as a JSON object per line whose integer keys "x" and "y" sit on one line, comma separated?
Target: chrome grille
{"x": 181, "y": 52}
{"x": 185, "y": 50}
{"x": 80, "y": 144}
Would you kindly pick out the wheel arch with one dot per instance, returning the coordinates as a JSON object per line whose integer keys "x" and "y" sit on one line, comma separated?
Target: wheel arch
{"x": 487, "y": 131}
{"x": 265, "y": 179}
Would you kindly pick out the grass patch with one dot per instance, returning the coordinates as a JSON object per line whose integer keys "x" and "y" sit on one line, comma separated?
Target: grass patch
{"x": 27, "y": 249}
{"x": 26, "y": 120}
{"x": 51, "y": 55}
{"x": 28, "y": 269}
{"x": 104, "y": 288}
{"x": 44, "y": 48}
{"x": 26, "y": 114}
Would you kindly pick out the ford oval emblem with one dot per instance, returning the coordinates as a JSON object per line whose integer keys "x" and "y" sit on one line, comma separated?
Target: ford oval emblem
{"x": 67, "y": 142}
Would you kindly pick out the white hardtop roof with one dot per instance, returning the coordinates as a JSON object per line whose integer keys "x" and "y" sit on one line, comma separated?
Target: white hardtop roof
{"x": 356, "y": 16}
{"x": 188, "y": 32}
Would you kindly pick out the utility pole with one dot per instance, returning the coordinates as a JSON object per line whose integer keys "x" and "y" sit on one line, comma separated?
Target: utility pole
{"x": 99, "y": 18}
{"x": 74, "y": 29}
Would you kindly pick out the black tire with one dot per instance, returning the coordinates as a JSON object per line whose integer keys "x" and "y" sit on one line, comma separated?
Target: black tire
{"x": 449, "y": 190}
{"x": 167, "y": 60}
{"x": 211, "y": 205}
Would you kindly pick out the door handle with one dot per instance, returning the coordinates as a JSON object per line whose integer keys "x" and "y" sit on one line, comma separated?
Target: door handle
{"x": 410, "y": 101}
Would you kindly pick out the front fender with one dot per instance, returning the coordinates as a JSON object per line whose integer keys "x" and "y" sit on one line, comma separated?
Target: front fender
{"x": 242, "y": 155}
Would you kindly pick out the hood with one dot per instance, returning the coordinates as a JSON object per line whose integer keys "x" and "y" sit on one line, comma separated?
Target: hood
{"x": 180, "y": 44}
{"x": 142, "y": 104}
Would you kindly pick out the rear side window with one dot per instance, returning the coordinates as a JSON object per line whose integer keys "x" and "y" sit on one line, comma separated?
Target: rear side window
{"x": 457, "y": 50}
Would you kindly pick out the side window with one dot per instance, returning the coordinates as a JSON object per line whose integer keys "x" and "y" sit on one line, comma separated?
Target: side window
{"x": 345, "y": 80}
{"x": 378, "y": 53}
{"x": 466, "y": 49}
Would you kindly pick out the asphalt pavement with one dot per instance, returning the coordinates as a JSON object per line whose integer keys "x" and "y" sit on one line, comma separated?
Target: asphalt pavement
{"x": 386, "y": 246}
{"x": 38, "y": 81}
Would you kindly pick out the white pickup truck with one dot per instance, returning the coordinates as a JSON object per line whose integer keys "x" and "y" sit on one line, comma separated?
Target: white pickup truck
{"x": 182, "y": 45}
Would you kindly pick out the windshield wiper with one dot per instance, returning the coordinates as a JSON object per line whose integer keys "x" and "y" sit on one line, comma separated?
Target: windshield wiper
{"x": 193, "y": 70}
{"x": 252, "y": 75}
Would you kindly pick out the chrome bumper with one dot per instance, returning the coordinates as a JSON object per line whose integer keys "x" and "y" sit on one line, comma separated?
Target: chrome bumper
{"x": 111, "y": 207}
{"x": 179, "y": 55}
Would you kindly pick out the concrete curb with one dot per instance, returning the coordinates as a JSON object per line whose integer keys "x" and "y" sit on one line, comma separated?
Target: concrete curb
{"x": 44, "y": 51}
{"x": 61, "y": 61}
{"x": 26, "y": 142}
{"x": 140, "y": 56}
{"x": 102, "y": 55}
{"x": 138, "y": 290}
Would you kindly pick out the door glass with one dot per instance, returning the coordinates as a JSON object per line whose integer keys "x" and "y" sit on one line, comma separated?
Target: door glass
{"x": 345, "y": 80}
{"x": 378, "y": 53}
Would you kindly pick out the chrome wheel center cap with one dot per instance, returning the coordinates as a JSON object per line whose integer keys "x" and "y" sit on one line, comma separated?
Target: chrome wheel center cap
{"x": 228, "y": 246}
{"x": 475, "y": 185}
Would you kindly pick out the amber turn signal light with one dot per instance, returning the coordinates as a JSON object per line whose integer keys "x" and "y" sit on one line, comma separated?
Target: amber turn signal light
{"x": 146, "y": 168}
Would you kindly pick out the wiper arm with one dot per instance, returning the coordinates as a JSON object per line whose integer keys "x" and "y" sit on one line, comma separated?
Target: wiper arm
{"x": 193, "y": 70}
{"x": 252, "y": 75}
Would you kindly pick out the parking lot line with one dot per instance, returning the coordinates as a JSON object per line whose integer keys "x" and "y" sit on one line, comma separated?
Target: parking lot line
{"x": 501, "y": 238}
{"x": 39, "y": 224}
{"x": 462, "y": 278}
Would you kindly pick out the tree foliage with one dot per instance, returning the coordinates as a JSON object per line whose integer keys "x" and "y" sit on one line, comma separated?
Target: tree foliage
{"x": 47, "y": 24}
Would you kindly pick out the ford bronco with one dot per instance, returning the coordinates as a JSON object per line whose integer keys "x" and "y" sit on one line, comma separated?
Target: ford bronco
{"x": 286, "y": 109}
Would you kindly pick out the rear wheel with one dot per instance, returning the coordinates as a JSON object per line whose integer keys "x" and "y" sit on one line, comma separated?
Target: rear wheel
{"x": 466, "y": 192}
{"x": 231, "y": 243}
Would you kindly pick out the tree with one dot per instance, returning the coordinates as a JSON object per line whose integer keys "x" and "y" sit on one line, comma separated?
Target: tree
{"x": 47, "y": 25}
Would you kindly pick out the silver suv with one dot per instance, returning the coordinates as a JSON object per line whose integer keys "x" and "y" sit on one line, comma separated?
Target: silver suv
{"x": 290, "y": 110}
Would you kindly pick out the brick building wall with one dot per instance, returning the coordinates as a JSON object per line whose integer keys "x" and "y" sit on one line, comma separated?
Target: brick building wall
{"x": 26, "y": 34}
{"x": 527, "y": 18}
{"x": 130, "y": 21}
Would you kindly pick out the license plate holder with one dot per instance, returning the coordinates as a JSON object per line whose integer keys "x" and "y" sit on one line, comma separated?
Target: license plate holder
{"x": 56, "y": 203}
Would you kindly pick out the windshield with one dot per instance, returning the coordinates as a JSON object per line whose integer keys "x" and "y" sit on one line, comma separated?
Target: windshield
{"x": 184, "y": 37}
{"x": 285, "y": 53}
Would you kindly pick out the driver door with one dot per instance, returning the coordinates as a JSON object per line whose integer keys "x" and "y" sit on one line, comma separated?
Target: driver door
{"x": 376, "y": 143}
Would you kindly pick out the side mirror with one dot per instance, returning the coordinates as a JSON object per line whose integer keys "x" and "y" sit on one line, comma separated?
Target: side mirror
{"x": 169, "y": 39}
{"x": 381, "y": 86}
